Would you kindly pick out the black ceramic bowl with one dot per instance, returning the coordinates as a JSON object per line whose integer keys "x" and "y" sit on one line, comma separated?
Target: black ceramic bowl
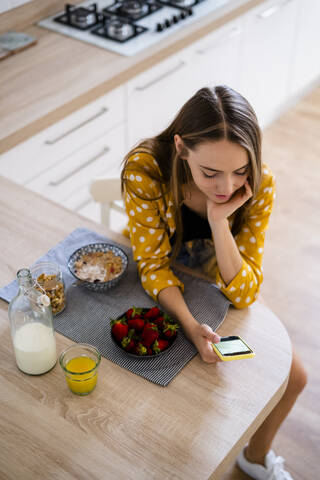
{"x": 98, "y": 286}
{"x": 155, "y": 355}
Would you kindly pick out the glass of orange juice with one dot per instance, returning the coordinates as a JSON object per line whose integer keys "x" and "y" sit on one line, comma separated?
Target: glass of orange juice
{"x": 80, "y": 365}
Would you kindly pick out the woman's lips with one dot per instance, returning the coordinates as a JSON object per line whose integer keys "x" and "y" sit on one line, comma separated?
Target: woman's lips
{"x": 223, "y": 197}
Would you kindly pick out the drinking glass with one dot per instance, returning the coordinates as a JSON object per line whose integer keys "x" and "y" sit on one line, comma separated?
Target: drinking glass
{"x": 80, "y": 364}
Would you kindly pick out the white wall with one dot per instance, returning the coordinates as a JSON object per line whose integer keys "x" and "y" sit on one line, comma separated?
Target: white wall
{"x": 6, "y": 5}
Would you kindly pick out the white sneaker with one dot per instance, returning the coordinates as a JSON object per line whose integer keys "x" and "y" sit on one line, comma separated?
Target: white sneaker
{"x": 273, "y": 470}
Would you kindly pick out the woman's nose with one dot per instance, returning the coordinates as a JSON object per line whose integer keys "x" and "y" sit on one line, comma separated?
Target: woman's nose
{"x": 226, "y": 186}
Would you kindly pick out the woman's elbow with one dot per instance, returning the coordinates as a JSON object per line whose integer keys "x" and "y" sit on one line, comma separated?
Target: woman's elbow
{"x": 245, "y": 300}
{"x": 243, "y": 303}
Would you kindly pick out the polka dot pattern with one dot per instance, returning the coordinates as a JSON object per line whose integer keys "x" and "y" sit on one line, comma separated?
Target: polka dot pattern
{"x": 152, "y": 223}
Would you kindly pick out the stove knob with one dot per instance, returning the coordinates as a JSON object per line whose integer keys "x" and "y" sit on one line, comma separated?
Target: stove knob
{"x": 175, "y": 19}
{"x": 168, "y": 22}
{"x": 189, "y": 11}
{"x": 183, "y": 15}
{"x": 159, "y": 27}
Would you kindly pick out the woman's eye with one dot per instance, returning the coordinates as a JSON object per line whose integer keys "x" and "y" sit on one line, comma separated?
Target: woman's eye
{"x": 208, "y": 176}
{"x": 215, "y": 174}
{"x": 242, "y": 173}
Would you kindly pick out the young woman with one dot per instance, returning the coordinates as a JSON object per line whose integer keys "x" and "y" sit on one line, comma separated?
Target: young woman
{"x": 198, "y": 193}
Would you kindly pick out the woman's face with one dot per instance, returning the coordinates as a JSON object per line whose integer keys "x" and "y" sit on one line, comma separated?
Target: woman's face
{"x": 218, "y": 168}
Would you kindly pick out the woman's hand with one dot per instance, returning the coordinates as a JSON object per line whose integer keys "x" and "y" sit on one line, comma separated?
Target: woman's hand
{"x": 203, "y": 336}
{"x": 220, "y": 211}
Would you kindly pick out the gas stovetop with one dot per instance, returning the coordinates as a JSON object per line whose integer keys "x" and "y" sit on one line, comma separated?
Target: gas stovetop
{"x": 128, "y": 26}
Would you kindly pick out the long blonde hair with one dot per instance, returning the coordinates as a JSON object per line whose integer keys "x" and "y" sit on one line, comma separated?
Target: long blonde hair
{"x": 211, "y": 114}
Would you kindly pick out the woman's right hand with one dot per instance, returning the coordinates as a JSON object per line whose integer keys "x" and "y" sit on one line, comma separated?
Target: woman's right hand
{"x": 203, "y": 336}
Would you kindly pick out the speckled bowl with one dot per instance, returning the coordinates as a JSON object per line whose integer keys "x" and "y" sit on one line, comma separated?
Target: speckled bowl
{"x": 99, "y": 247}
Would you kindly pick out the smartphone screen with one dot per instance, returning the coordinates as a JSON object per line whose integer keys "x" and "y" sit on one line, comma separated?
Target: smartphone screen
{"x": 232, "y": 346}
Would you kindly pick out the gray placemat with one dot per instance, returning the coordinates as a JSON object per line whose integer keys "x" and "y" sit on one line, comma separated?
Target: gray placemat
{"x": 87, "y": 315}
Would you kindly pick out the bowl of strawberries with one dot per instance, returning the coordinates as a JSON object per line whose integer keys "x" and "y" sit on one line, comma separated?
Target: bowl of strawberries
{"x": 144, "y": 332}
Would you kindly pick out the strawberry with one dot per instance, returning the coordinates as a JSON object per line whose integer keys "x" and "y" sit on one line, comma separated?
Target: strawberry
{"x": 133, "y": 312}
{"x": 141, "y": 349}
{"x": 129, "y": 313}
{"x": 160, "y": 345}
{"x": 127, "y": 342}
{"x": 170, "y": 330}
{"x": 159, "y": 321}
{"x": 149, "y": 334}
{"x": 137, "y": 323}
{"x": 119, "y": 329}
{"x": 152, "y": 313}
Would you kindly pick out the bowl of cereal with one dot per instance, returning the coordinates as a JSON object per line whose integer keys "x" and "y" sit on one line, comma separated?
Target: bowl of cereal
{"x": 98, "y": 266}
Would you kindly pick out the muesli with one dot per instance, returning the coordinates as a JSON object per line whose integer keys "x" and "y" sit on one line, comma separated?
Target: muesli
{"x": 98, "y": 266}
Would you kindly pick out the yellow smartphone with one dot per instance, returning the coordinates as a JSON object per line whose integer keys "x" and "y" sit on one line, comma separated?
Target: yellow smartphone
{"x": 232, "y": 348}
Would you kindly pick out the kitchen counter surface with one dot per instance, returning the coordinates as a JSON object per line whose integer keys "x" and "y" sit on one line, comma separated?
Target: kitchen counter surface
{"x": 59, "y": 75}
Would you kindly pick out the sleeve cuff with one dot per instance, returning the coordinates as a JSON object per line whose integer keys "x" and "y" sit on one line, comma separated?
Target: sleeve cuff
{"x": 153, "y": 283}
{"x": 242, "y": 290}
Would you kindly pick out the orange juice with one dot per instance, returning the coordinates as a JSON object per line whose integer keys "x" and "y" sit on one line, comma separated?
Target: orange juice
{"x": 81, "y": 375}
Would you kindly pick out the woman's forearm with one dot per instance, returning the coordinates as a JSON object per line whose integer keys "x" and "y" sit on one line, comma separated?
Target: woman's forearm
{"x": 172, "y": 301}
{"x": 227, "y": 253}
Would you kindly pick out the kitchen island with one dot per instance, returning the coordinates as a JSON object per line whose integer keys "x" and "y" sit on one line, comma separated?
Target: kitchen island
{"x": 127, "y": 428}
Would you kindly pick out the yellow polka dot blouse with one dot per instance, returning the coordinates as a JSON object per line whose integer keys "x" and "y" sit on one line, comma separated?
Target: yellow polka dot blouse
{"x": 151, "y": 225}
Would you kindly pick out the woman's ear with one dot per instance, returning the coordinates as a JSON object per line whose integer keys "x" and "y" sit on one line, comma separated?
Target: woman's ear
{"x": 180, "y": 146}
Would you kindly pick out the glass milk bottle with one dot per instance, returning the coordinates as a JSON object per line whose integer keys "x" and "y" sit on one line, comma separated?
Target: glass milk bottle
{"x": 31, "y": 327}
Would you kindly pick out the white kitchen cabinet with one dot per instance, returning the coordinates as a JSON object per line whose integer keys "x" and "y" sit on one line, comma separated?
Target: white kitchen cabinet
{"x": 60, "y": 161}
{"x": 306, "y": 63}
{"x": 68, "y": 181}
{"x": 216, "y": 57}
{"x": 266, "y": 54}
{"x": 35, "y": 156}
{"x": 156, "y": 95}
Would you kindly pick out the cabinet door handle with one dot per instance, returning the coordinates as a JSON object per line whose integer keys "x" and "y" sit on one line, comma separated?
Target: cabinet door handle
{"x": 161, "y": 77}
{"x": 272, "y": 10}
{"x": 80, "y": 125}
{"x": 233, "y": 33}
{"x": 57, "y": 181}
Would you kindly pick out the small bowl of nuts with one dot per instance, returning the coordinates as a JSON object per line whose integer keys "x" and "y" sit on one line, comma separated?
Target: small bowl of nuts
{"x": 48, "y": 277}
{"x": 98, "y": 266}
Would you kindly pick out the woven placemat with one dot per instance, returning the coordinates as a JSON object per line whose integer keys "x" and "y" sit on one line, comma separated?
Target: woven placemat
{"x": 87, "y": 315}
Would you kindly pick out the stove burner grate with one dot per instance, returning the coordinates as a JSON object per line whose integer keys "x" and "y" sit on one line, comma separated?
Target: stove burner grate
{"x": 79, "y": 17}
{"x": 118, "y": 29}
{"x": 181, "y": 3}
{"x": 133, "y": 9}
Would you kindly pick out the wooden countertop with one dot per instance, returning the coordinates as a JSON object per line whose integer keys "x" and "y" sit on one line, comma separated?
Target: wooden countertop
{"x": 59, "y": 75}
{"x": 128, "y": 428}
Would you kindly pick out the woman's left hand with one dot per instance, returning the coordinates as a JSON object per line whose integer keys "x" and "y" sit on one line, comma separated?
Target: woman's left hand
{"x": 220, "y": 211}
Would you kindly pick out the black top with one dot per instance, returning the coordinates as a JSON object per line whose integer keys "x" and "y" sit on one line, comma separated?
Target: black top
{"x": 194, "y": 226}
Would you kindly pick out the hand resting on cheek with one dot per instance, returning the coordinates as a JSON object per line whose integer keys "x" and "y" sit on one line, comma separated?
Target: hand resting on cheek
{"x": 220, "y": 211}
